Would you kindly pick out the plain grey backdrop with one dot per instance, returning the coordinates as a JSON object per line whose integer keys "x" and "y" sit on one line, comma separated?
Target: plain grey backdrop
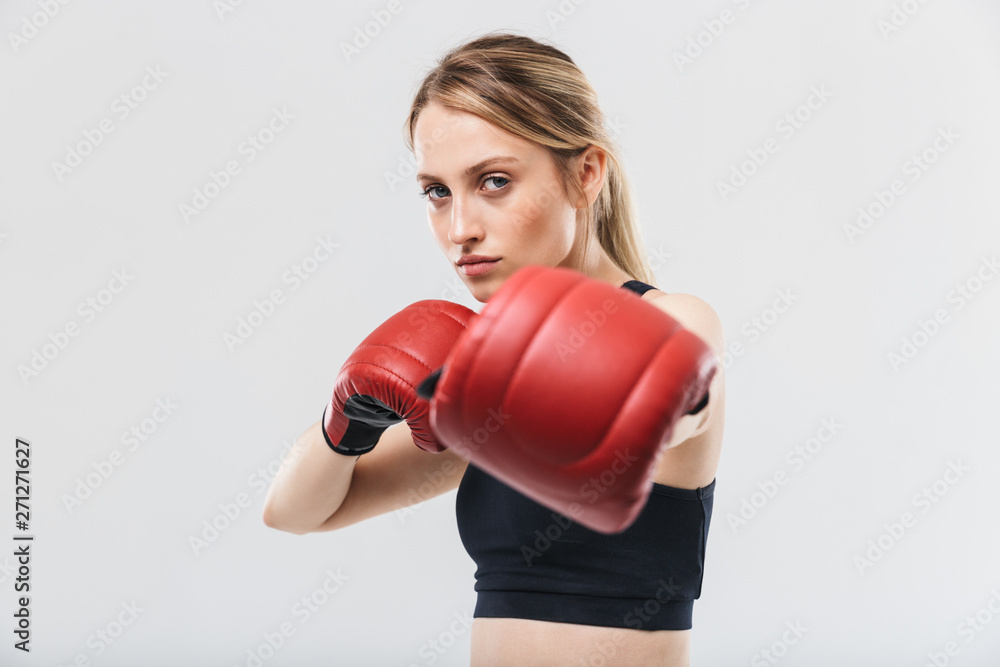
{"x": 823, "y": 174}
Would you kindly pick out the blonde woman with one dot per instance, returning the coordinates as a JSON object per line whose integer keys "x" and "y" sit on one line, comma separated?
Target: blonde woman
{"x": 517, "y": 169}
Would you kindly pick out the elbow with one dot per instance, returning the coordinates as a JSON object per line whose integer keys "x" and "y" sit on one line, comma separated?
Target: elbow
{"x": 274, "y": 519}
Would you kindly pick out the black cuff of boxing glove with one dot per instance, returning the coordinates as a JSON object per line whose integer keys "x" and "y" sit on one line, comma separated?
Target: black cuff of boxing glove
{"x": 360, "y": 442}
{"x": 701, "y": 406}
{"x": 425, "y": 389}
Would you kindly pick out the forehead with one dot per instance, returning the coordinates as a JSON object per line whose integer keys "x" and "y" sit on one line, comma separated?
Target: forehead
{"x": 445, "y": 137}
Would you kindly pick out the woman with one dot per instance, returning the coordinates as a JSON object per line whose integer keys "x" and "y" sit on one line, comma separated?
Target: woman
{"x": 517, "y": 169}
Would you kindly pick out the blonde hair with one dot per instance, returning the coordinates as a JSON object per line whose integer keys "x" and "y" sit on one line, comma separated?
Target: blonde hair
{"x": 536, "y": 92}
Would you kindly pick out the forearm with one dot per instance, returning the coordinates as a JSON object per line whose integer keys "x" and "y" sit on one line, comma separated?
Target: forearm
{"x": 310, "y": 486}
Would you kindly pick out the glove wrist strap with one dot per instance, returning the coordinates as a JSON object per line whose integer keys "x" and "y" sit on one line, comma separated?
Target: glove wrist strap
{"x": 359, "y": 438}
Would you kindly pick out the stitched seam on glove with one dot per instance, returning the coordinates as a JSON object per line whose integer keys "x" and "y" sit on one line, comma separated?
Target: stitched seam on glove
{"x": 435, "y": 310}
{"x": 362, "y": 361}
{"x": 387, "y": 370}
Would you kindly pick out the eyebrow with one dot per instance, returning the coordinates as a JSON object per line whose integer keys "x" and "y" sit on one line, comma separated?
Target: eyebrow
{"x": 479, "y": 166}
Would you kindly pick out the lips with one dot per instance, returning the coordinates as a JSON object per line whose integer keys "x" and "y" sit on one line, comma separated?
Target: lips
{"x": 472, "y": 259}
{"x": 475, "y": 265}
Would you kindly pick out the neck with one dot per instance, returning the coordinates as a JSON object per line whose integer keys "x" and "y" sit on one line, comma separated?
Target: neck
{"x": 596, "y": 263}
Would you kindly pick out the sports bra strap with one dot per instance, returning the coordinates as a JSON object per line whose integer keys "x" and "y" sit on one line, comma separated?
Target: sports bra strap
{"x": 638, "y": 286}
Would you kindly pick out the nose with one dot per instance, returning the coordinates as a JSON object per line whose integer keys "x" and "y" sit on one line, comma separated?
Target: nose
{"x": 465, "y": 224}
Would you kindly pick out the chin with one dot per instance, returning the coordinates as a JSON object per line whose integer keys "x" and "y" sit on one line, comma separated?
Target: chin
{"x": 485, "y": 287}
{"x": 482, "y": 293}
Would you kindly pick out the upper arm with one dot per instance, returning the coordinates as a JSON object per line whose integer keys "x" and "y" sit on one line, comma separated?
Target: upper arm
{"x": 394, "y": 475}
{"x": 695, "y": 315}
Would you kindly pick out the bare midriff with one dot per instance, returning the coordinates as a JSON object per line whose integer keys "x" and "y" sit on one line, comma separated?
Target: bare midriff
{"x": 499, "y": 642}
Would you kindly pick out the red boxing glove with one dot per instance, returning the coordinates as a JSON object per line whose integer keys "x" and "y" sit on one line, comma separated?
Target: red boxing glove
{"x": 562, "y": 378}
{"x": 376, "y": 385}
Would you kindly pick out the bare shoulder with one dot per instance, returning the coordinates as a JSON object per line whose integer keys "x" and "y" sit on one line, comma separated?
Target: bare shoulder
{"x": 694, "y": 313}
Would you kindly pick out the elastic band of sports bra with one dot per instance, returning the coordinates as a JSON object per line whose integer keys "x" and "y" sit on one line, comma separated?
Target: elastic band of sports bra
{"x": 684, "y": 494}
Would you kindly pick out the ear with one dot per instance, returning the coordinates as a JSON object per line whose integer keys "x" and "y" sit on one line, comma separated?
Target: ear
{"x": 591, "y": 171}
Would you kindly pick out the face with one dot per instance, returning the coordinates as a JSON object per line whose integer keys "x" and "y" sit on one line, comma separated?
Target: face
{"x": 497, "y": 196}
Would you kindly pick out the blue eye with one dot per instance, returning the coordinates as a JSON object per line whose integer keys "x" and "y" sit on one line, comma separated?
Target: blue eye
{"x": 426, "y": 193}
{"x": 499, "y": 178}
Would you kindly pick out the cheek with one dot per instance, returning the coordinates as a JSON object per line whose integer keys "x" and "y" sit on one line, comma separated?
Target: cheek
{"x": 543, "y": 218}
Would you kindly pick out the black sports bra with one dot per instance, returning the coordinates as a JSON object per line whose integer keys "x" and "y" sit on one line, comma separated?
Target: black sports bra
{"x": 538, "y": 564}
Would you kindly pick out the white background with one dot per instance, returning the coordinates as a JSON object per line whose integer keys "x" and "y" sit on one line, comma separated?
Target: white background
{"x": 330, "y": 173}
